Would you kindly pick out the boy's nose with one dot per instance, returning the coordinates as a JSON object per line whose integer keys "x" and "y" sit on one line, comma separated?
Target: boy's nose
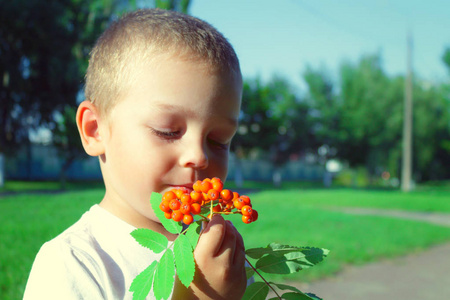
{"x": 194, "y": 156}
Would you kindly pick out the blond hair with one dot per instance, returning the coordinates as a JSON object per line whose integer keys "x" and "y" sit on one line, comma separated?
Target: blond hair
{"x": 139, "y": 37}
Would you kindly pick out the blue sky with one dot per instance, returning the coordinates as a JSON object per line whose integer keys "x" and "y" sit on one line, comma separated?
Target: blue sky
{"x": 284, "y": 36}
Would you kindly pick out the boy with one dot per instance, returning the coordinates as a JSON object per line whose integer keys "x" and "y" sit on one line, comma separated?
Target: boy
{"x": 163, "y": 97}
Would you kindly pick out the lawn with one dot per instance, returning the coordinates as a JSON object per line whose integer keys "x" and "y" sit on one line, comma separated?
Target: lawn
{"x": 296, "y": 217}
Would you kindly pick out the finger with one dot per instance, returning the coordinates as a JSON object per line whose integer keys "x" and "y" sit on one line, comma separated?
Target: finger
{"x": 239, "y": 256}
{"x": 229, "y": 243}
{"x": 213, "y": 235}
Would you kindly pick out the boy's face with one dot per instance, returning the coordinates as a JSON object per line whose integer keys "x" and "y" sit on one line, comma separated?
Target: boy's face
{"x": 173, "y": 127}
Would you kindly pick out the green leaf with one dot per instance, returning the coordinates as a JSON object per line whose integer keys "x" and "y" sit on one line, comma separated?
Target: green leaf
{"x": 256, "y": 291}
{"x": 142, "y": 283}
{"x": 284, "y": 259}
{"x": 150, "y": 239}
{"x": 297, "y": 293}
{"x": 280, "y": 265}
{"x": 297, "y": 296}
{"x": 286, "y": 287}
{"x": 313, "y": 297}
{"x": 274, "y": 249}
{"x": 164, "y": 276}
{"x": 184, "y": 260}
{"x": 249, "y": 272}
{"x": 170, "y": 225}
{"x": 311, "y": 254}
{"x": 193, "y": 233}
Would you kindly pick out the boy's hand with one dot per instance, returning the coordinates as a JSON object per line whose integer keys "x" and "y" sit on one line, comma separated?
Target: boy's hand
{"x": 220, "y": 258}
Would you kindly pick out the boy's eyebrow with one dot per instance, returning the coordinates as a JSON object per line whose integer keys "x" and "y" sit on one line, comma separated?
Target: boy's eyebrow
{"x": 171, "y": 107}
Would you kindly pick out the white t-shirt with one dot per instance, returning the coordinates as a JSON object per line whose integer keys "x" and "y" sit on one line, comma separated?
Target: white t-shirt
{"x": 96, "y": 258}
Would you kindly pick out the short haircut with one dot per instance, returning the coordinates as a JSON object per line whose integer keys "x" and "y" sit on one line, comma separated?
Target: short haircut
{"x": 141, "y": 36}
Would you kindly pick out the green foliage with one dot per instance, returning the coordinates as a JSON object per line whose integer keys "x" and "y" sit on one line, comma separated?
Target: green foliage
{"x": 164, "y": 276}
{"x": 363, "y": 121}
{"x": 184, "y": 259}
{"x": 172, "y": 227}
{"x": 44, "y": 48}
{"x": 28, "y": 220}
{"x": 161, "y": 277}
{"x": 150, "y": 239}
{"x": 273, "y": 120}
{"x": 275, "y": 258}
{"x": 446, "y": 58}
{"x": 257, "y": 290}
{"x": 143, "y": 282}
{"x": 281, "y": 259}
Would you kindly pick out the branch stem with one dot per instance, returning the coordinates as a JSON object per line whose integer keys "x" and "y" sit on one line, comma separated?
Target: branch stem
{"x": 265, "y": 281}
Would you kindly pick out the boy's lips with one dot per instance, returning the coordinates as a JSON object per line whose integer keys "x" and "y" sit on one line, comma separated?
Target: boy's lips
{"x": 187, "y": 187}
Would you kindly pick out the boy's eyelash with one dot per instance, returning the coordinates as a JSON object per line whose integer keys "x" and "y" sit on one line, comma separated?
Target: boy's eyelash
{"x": 171, "y": 135}
{"x": 166, "y": 134}
{"x": 219, "y": 145}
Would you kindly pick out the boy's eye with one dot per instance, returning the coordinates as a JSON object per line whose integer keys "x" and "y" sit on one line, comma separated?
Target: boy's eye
{"x": 166, "y": 134}
{"x": 219, "y": 145}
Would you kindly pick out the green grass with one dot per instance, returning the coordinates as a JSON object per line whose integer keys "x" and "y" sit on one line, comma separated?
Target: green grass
{"x": 18, "y": 186}
{"x": 296, "y": 217}
{"x": 426, "y": 201}
{"x": 352, "y": 239}
{"x": 26, "y": 222}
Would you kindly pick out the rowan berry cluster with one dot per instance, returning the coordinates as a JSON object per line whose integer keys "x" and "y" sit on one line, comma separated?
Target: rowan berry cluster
{"x": 208, "y": 197}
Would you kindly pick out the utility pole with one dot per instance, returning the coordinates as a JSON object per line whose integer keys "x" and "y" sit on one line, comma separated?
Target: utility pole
{"x": 407, "y": 122}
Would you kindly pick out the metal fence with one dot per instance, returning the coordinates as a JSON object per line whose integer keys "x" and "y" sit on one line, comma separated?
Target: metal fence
{"x": 40, "y": 162}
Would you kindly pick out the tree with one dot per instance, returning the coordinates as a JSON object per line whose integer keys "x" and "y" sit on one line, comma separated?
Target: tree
{"x": 354, "y": 121}
{"x": 43, "y": 51}
{"x": 274, "y": 122}
{"x": 44, "y": 48}
{"x": 431, "y": 131}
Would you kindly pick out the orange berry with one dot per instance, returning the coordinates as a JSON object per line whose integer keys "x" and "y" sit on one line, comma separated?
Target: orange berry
{"x": 217, "y": 208}
{"x": 239, "y": 203}
{"x": 186, "y": 198}
{"x": 196, "y": 186}
{"x": 188, "y": 219}
{"x": 217, "y": 184}
{"x": 235, "y": 195}
{"x": 205, "y": 186}
{"x": 168, "y": 215}
{"x": 174, "y": 204}
{"x": 185, "y": 208}
{"x": 196, "y": 196}
{"x": 226, "y": 195}
{"x": 246, "y": 199}
{"x": 213, "y": 194}
{"x": 205, "y": 198}
{"x": 247, "y": 219}
{"x": 177, "y": 215}
{"x": 165, "y": 206}
{"x": 254, "y": 215}
{"x": 179, "y": 193}
{"x": 169, "y": 195}
{"x": 246, "y": 210}
{"x": 196, "y": 208}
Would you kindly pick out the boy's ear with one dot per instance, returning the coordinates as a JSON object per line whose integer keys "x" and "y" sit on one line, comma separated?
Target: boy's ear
{"x": 88, "y": 126}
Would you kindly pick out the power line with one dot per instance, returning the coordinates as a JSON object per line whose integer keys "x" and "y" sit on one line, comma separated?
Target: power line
{"x": 336, "y": 24}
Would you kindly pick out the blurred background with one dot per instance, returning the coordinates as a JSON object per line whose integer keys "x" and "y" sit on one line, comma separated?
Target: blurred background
{"x": 345, "y": 104}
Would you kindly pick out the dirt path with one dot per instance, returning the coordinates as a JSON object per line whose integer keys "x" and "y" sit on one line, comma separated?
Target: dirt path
{"x": 421, "y": 276}
{"x": 434, "y": 218}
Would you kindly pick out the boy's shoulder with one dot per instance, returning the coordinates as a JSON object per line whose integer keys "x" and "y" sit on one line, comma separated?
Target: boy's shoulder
{"x": 97, "y": 232}
{"x": 95, "y": 256}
